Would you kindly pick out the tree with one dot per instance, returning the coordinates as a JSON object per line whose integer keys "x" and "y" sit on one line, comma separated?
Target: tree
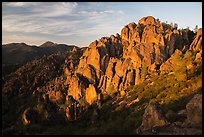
{"x": 171, "y": 24}
{"x": 196, "y": 28}
{"x": 175, "y": 25}
{"x": 187, "y": 27}
{"x": 157, "y": 20}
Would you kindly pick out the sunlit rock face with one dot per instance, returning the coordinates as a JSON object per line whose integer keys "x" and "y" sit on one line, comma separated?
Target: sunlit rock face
{"x": 91, "y": 94}
{"x": 197, "y": 42}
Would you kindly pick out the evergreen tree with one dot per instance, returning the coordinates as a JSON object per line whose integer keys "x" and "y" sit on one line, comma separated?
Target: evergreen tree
{"x": 196, "y": 29}
{"x": 175, "y": 25}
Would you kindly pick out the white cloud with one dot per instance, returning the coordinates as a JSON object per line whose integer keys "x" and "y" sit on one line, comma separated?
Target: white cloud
{"x": 45, "y": 9}
{"x": 61, "y": 27}
{"x": 19, "y": 4}
{"x": 101, "y": 12}
{"x": 15, "y": 23}
{"x": 64, "y": 19}
{"x": 54, "y": 9}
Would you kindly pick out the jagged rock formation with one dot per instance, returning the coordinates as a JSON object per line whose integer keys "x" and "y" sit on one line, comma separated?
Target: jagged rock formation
{"x": 116, "y": 62}
{"x": 175, "y": 60}
{"x": 197, "y": 42}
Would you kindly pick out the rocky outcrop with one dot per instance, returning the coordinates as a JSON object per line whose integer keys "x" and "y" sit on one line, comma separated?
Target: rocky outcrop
{"x": 150, "y": 44}
{"x": 77, "y": 86}
{"x": 153, "y": 117}
{"x": 89, "y": 72}
{"x": 189, "y": 121}
{"x": 197, "y": 42}
{"x": 169, "y": 65}
{"x": 91, "y": 94}
{"x": 114, "y": 63}
{"x": 194, "y": 110}
{"x": 149, "y": 20}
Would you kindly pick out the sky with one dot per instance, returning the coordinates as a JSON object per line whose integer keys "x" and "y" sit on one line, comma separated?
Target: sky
{"x": 80, "y": 23}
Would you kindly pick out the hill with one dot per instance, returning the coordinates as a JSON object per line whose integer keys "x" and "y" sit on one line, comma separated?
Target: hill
{"x": 15, "y": 55}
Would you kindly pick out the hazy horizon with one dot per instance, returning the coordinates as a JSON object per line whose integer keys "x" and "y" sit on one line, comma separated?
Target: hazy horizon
{"x": 80, "y": 23}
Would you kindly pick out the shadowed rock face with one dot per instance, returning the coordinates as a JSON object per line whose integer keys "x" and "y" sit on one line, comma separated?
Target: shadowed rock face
{"x": 152, "y": 118}
{"x": 194, "y": 110}
{"x": 154, "y": 122}
{"x": 16, "y": 53}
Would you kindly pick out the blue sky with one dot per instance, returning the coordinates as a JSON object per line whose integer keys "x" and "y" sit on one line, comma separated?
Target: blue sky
{"x": 81, "y": 23}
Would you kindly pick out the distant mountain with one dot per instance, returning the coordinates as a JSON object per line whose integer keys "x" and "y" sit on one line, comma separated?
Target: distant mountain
{"x": 17, "y": 54}
{"x": 48, "y": 44}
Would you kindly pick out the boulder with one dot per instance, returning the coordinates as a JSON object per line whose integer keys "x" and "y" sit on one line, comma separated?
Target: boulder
{"x": 29, "y": 116}
{"x": 194, "y": 110}
{"x": 153, "y": 117}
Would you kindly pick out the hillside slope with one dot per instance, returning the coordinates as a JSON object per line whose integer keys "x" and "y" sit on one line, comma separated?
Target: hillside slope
{"x": 15, "y": 55}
